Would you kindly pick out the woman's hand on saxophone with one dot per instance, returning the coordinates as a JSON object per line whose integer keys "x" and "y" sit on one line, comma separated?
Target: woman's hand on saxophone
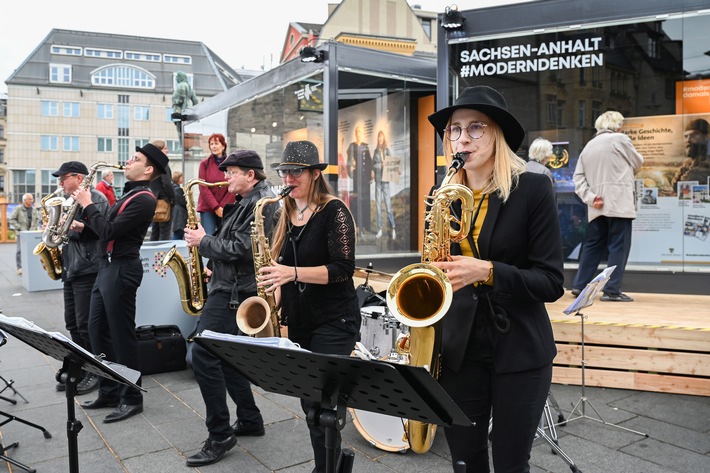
{"x": 464, "y": 270}
{"x": 193, "y": 236}
{"x": 271, "y": 277}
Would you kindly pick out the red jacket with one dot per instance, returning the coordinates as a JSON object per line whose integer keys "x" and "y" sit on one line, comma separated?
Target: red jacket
{"x": 107, "y": 189}
{"x": 211, "y": 198}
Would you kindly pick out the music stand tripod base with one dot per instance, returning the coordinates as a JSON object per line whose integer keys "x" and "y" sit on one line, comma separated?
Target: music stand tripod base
{"x": 586, "y": 299}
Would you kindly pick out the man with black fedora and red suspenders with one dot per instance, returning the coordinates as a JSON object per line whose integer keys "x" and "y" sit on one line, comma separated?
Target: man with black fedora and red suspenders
{"x": 113, "y": 299}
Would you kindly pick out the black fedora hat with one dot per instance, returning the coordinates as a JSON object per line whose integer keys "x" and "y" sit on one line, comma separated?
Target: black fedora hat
{"x": 156, "y": 157}
{"x": 300, "y": 155}
{"x": 486, "y": 100}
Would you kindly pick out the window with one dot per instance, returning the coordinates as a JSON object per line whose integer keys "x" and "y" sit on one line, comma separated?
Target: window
{"x": 104, "y": 111}
{"x": 174, "y": 147}
{"x": 141, "y": 142}
{"x": 2, "y": 157}
{"x": 124, "y": 112}
{"x": 60, "y": 73}
{"x": 168, "y": 114}
{"x": 49, "y": 182}
{"x": 105, "y": 145}
{"x": 560, "y": 112}
{"x": 123, "y": 151}
{"x": 70, "y": 143}
{"x": 49, "y": 143}
{"x": 123, "y": 76}
{"x": 66, "y": 50}
{"x": 596, "y": 110}
{"x": 426, "y": 24}
{"x": 50, "y": 108}
{"x": 71, "y": 109}
{"x": 2, "y": 132}
{"x": 141, "y": 112}
{"x": 175, "y": 59}
{"x": 138, "y": 56}
{"x": 551, "y": 109}
{"x": 105, "y": 53}
{"x": 23, "y": 182}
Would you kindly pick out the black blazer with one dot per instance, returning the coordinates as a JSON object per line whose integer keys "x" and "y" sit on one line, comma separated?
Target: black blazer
{"x": 522, "y": 239}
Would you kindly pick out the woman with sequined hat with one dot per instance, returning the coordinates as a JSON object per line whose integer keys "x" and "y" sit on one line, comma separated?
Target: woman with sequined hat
{"x": 497, "y": 338}
{"x": 314, "y": 249}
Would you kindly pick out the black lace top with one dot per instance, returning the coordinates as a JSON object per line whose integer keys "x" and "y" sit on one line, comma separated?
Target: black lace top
{"x": 327, "y": 238}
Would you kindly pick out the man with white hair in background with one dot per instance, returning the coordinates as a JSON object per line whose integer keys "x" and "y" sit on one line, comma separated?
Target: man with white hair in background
{"x": 23, "y": 218}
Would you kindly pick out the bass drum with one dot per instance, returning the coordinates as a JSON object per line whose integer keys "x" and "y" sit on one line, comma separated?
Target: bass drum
{"x": 381, "y": 431}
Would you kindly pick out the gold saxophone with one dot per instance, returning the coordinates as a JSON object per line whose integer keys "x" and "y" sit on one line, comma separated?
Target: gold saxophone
{"x": 190, "y": 274}
{"x": 258, "y": 315}
{"x": 51, "y": 258}
{"x": 420, "y": 294}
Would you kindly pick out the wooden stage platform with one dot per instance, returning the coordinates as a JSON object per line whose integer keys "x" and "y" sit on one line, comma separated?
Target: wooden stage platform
{"x": 659, "y": 342}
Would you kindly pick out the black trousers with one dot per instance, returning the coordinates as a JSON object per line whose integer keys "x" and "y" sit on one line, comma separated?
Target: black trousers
{"x": 217, "y": 378}
{"x": 335, "y": 338}
{"x": 77, "y": 304}
{"x": 112, "y": 322}
{"x": 516, "y": 401}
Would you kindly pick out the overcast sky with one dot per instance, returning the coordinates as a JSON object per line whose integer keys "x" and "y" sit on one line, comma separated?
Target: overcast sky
{"x": 248, "y": 33}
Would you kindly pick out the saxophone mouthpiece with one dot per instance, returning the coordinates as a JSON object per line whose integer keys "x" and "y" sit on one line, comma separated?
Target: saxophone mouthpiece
{"x": 459, "y": 159}
{"x": 286, "y": 190}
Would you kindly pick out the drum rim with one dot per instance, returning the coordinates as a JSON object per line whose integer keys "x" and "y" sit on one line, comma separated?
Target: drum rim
{"x": 371, "y": 439}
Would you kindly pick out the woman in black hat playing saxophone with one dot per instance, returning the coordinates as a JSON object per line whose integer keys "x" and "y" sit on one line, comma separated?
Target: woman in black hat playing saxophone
{"x": 498, "y": 344}
{"x": 314, "y": 245}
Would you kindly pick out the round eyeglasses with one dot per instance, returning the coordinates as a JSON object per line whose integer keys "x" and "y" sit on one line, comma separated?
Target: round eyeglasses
{"x": 293, "y": 172}
{"x": 475, "y": 130}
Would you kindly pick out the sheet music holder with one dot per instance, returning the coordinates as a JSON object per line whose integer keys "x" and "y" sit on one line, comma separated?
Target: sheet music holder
{"x": 74, "y": 359}
{"x": 585, "y": 299}
{"x": 337, "y": 382}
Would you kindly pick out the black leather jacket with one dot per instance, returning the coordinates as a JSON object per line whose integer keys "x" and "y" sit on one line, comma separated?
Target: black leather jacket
{"x": 82, "y": 253}
{"x": 229, "y": 251}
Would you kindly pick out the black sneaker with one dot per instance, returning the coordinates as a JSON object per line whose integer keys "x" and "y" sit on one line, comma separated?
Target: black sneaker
{"x": 248, "y": 430}
{"x": 616, "y": 298}
{"x": 576, "y": 292}
{"x": 89, "y": 383}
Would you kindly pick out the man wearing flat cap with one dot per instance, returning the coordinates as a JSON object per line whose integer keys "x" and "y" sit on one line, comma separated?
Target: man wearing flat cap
{"x": 81, "y": 256}
{"x": 112, "y": 326}
{"x": 233, "y": 280}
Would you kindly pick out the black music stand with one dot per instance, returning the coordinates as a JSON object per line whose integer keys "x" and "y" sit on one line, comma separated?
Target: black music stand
{"x": 585, "y": 299}
{"x": 74, "y": 359}
{"x": 337, "y": 382}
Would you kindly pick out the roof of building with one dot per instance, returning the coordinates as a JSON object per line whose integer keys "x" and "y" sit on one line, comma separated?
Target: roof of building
{"x": 211, "y": 75}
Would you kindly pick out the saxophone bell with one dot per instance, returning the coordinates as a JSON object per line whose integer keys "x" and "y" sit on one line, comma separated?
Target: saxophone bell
{"x": 258, "y": 315}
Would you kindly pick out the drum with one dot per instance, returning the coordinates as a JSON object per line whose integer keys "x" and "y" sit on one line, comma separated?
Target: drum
{"x": 381, "y": 431}
{"x": 379, "y": 331}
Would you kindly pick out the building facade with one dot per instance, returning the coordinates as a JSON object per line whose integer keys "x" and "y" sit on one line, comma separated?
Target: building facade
{"x": 92, "y": 97}
{"x": 560, "y": 65}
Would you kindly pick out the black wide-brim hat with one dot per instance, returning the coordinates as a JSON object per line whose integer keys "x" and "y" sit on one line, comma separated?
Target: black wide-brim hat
{"x": 486, "y": 100}
{"x": 156, "y": 156}
{"x": 300, "y": 155}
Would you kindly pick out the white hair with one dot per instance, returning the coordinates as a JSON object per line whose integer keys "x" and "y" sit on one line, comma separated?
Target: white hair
{"x": 540, "y": 149}
{"x": 610, "y": 120}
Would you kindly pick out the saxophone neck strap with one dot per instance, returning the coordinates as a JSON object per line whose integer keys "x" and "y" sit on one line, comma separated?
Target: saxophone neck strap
{"x": 109, "y": 247}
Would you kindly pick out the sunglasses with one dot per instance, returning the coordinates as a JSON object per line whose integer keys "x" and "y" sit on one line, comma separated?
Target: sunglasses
{"x": 296, "y": 173}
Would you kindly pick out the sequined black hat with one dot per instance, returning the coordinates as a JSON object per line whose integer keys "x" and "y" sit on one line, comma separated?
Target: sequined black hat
{"x": 300, "y": 155}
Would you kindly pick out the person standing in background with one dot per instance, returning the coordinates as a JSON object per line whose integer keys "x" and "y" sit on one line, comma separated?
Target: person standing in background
{"x": 105, "y": 186}
{"x": 212, "y": 200}
{"x": 360, "y": 169}
{"x": 539, "y": 154}
{"x": 81, "y": 256}
{"x": 179, "y": 216}
{"x": 382, "y": 185}
{"x": 23, "y": 218}
{"x": 604, "y": 180}
{"x": 163, "y": 190}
